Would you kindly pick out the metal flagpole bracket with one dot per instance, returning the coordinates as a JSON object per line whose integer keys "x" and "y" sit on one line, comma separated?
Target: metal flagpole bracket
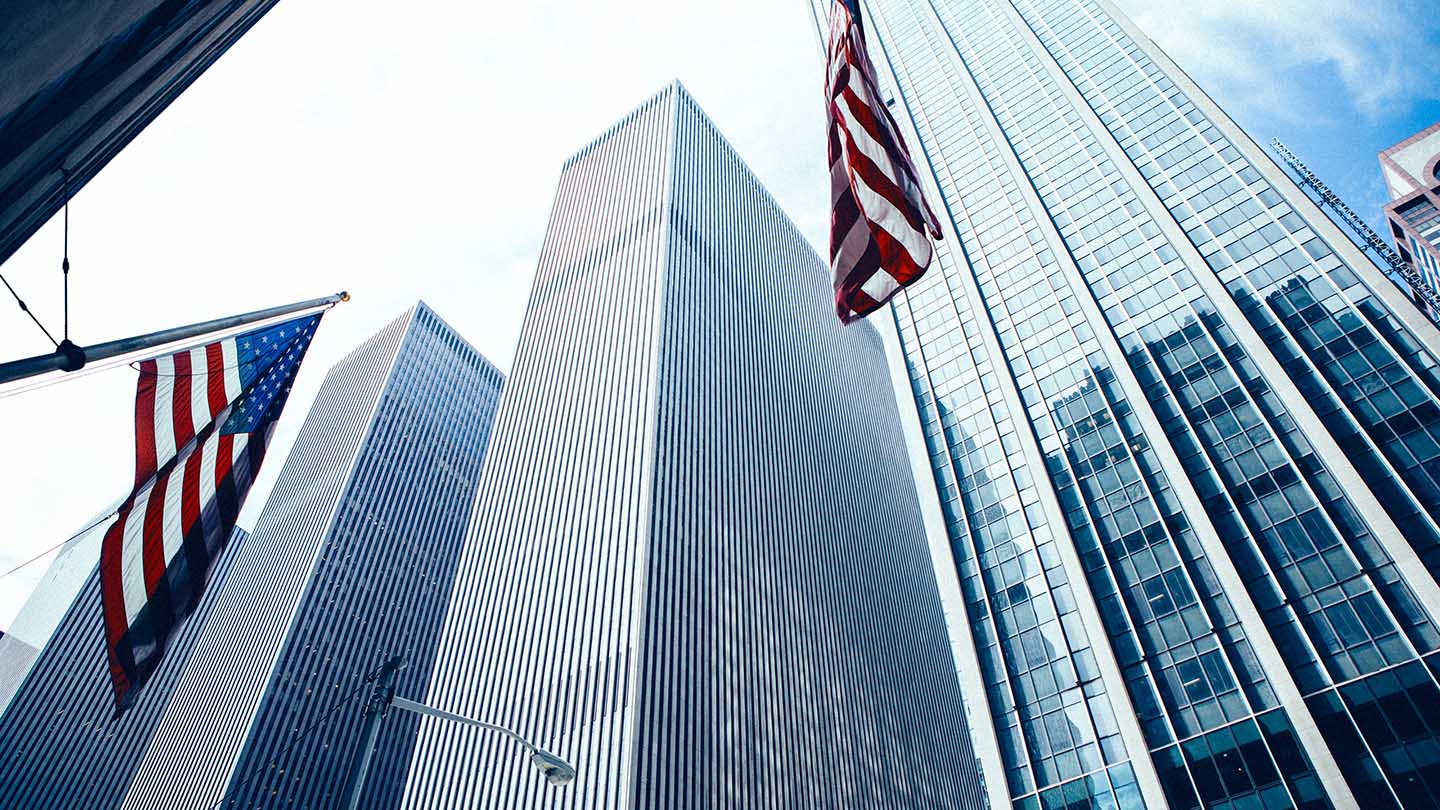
{"x": 70, "y": 357}
{"x": 73, "y": 356}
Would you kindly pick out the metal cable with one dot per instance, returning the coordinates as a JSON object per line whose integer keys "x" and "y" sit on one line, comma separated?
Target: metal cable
{"x": 65, "y": 253}
{"x": 60, "y": 544}
{"x": 25, "y": 309}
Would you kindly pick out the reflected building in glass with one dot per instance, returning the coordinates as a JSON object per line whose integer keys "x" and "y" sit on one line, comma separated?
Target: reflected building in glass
{"x": 1412, "y": 175}
{"x": 350, "y": 562}
{"x": 1185, "y": 436}
{"x": 697, "y": 567}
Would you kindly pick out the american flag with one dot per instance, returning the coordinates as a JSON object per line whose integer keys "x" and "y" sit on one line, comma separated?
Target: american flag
{"x": 203, "y": 417}
{"x": 880, "y": 224}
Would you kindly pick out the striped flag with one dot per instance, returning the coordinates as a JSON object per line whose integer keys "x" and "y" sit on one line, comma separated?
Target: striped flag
{"x": 203, "y": 417}
{"x": 880, "y": 224}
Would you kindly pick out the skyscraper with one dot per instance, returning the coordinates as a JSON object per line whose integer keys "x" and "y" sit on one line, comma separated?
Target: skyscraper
{"x": 64, "y": 745}
{"x": 1185, "y": 435}
{"x": 350, "y": 561}
{"x": 1412, "y": 174}
{"x": 48, "y": 603}
{"x": 697, "y": 568}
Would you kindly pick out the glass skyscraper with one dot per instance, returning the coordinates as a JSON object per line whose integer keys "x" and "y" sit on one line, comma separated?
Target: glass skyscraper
{"x": 61, "y": 744}
{"x": 1412, "y": 175}
{"x": 697, "y": 567}
{"x": 350, "y": 562}
{"x": 1186, "y": 437}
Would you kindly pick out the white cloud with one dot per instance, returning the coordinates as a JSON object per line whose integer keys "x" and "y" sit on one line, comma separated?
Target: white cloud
{"x": 1242, "y": 51}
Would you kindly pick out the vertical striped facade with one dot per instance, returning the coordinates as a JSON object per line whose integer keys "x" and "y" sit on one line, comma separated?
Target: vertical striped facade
{"x": 1184, "y": 434}
{"x": 696, "y": 567}
{"x": 350, "y": 561}
{"x": 49, "y": 602}
{"x": 61, "y": 744}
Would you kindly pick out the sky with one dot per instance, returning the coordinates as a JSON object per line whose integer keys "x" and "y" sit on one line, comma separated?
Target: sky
{"x": 404, "y": 156}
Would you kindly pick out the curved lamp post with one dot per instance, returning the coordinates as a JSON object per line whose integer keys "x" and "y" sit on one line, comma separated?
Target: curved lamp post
{"x": 556, "y": 770}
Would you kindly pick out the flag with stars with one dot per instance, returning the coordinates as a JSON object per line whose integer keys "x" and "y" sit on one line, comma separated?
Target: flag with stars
{"x": 203, "y": 417}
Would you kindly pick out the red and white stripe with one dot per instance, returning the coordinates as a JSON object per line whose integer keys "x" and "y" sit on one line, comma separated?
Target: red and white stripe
{"x": 200, "y": 437}
{"x": 179, "y": 394}
{"x": 881, "y": 226}
{"x": 190, "y": 479}
{"x": 157, "y": 520}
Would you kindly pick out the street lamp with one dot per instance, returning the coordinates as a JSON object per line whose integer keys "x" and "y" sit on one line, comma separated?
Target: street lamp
{"x": 556, "y": 770}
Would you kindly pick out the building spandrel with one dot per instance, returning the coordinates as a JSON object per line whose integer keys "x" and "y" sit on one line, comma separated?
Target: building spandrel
{"x": 1156, "y": 381}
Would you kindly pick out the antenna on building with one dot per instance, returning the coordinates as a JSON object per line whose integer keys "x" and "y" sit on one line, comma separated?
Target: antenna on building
{"x": 1372, "y": 240}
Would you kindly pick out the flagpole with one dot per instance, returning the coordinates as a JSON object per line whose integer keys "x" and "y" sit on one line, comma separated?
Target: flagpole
{"x": 69, "y": 357}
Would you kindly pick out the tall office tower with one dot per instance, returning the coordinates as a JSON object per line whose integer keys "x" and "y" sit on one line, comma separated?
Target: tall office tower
{"x": 1185, "y": 435}
{"x": 1412, "y": 174}
{"x": 697, "y": 568}
{"x": 63, "y": 745}
{"x": 350, "y": 561}
{"x": 48, "y": 603}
